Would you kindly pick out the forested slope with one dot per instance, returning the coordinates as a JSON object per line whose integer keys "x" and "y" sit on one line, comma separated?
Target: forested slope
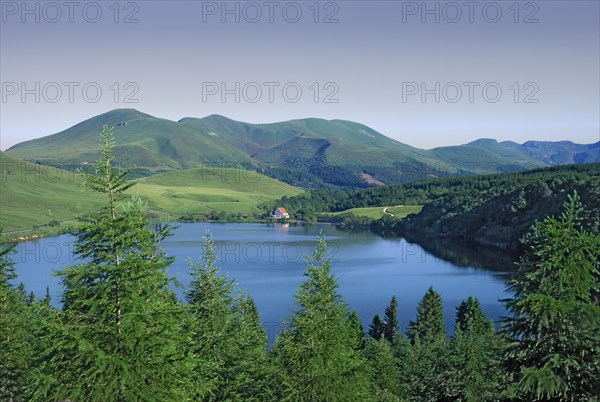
{"x": 491, "y": 210}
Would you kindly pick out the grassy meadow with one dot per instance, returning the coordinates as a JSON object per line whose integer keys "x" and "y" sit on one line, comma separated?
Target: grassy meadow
{"x": 33, "y": 195}
{"x": 377, "y": 212}
{"x": 200, "y": 191}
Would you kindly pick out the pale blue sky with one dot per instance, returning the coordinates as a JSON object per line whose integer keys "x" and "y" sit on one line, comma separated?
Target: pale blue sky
{"x": 370, "y": 56}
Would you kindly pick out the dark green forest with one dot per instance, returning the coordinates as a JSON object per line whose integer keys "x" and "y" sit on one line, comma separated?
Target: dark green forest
{"x": 490, "y": 210}
{"x": 121, "y": 334}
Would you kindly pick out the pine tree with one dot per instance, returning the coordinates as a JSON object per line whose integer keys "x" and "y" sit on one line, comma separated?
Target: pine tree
{"x": 228, "y": 339}
{"x": 358, "y": 329}
{"x": 210, "y": 300}
{"x": 47, "y": 297}
{"x": 119, "y": 335}
{"x": 316, "y": 352}
{"x": 251, "y": 370}
{"x": 376, "y": 328}
{"x": 15, "y": 329}
{"x": 390, "y": 320}
{"x": 553, "y": 327}
{"x": 474, "y": 372}
{"x": 404, "y": 352}
{"x": 426, "y": 377}
{"x": 470, "y": 317}
{"x": 429, "y": 359}
{"x": 429, "y": 326}
{"x": 385, "y": 370}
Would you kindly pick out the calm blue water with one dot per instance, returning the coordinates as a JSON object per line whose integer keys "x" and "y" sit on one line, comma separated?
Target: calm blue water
{"x": 267, "y": 261}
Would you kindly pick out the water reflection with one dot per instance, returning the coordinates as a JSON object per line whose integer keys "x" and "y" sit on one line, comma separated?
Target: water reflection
{"x": 268, "y": 261}
{"x": 460, "y": 255}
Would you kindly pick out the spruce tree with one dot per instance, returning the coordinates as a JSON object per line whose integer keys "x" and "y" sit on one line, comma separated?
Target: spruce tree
{"x": 210, "y": 299}
{"x": 390, "y": 320}
{"x": 376, "y": 328}
{"x": 317, "y": 351}
{"x": 119, "y": 335}
{"x": 251, "y": 371}
{"x": 426, "y": 376}
{"x": 470, "y": 317}
{"x": 429, "y": 325}
{"x": 474, "y": 371}
{"x": 385, "y": 370}
{"x": 429, "y": 358}
{"x": 358, "y": 329}
{"x": 15, "y": 331}
{"x": 47, "y": 298}
{"x": 553, "y": 324}
{"x": 228, "y": 339}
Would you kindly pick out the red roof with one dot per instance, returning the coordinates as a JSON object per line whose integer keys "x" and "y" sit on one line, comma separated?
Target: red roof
{"x": 282, "y": 210}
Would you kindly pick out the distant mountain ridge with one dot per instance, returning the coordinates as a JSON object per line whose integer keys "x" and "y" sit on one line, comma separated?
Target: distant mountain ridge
{"x": 309, "y": 152}
{"x": 548, "y": 152}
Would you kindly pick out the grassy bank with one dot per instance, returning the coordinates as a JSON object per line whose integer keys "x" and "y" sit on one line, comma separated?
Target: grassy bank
{"x": 38, "y": 200}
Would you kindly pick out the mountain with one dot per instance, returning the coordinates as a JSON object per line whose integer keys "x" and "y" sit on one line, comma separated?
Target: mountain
{"x": 141, "y": 139}
{"x": 304, "y": 152}
{"x": 320, "y": 151}
{"x": 547, "y": 152}
{"x": 340, "y": 140}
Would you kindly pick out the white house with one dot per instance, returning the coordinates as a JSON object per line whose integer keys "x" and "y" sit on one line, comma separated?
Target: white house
{"x": 280, "y": 213}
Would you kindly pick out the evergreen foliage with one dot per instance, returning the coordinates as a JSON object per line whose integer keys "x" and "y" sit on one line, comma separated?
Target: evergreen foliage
{"x": 121, "y": 334}
{"x": 316, "y": 352}
{"x": 376, "y": 328}
{"x": 118, "y": 335}
{"x": 475, "y": 372}
{"x": 490, "y": 210}
{"x": 429, "y": 326}
{"x": 15, "y": 331}
{"x": 227, "y": 339}
{"x": 554, "y": 323}
{"x": 390, "y": 320}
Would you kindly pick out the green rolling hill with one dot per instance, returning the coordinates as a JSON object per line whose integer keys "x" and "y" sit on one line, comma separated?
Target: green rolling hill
{"x": 34, "y": 194}
{"x": 317, "y": 151}
{"x": 546, "y": 152}
{"x": 305, "y": 152}
{"x": 205, "y": 190}
{"x": 340, "y": 140}
{"x": 141, "y": 139}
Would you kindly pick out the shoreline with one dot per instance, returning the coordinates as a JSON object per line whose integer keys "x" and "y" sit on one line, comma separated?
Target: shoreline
{"x": 29, "y": 234}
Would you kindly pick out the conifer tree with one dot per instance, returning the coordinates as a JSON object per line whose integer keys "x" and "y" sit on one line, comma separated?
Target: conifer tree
{"x": 228, "y": 339}
{"x": 119, "y": 335}
{"x": 470, "y": 317}
{"x": 47, "y": 297}
{"x": 15, "y": 329}
{"x": 390, "y": 320}
{"x": 251, "y": 371}
{"x": 474, "y": 371}
{"x": 210, "y": 300}
{"x": 385, "y": 370}
{"x": 376, "y": 328}
{"x": 358, "y": 329}
{"x": 429, "y": 358}
{"x": 316, "y": 352}
{"x": 426, "y": 374}
{"x": 553, "y": 324}
{"x": 429, "y": 326}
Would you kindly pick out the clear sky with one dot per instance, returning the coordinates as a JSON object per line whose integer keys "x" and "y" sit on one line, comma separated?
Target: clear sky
{"x": 425, "y": 73}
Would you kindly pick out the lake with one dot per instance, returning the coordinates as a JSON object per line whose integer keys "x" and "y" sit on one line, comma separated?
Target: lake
{"x": 267, "y": 260}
